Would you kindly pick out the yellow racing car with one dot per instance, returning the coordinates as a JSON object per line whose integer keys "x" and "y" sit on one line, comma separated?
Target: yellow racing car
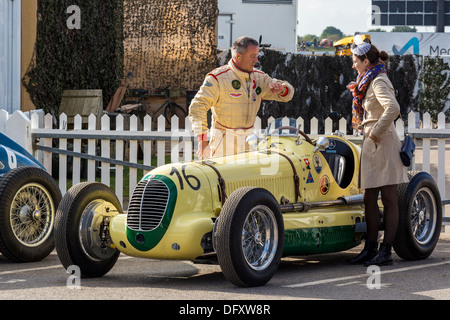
{"x": 290, "y": 195}
{"x": 342, "y": 46}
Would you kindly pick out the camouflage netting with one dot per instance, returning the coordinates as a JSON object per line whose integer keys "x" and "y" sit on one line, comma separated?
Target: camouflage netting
{"x": 169, "y": 41}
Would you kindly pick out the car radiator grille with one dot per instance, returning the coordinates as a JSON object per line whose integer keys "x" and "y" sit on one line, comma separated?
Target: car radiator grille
{"x": 148, "y": 205}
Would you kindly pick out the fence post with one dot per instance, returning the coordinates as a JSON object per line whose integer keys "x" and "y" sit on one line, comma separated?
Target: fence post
{"x": 314, "y": 126}
{"x": 147, "y": 143}
{"x": 174, "y": 145}
{"x": 63, "y": 157}
{"x": 133, "y": 154}
{"x": 343, "y": 125}
{"x": 35, "y": 125}
{"x": 119, "y": 156}
{"x": 256, "y": 125}
{"x": 92, "y": 125}
{"x": 4, "y": 115}
{"x": 411, "y": 126}
{"x": 441, "y": 157}
{"x": 18, "y": 128}
{"x": 161, "y": 145}
{"x": 105, "y": 152}
{"x": 48, "y": 124}
{"x": 400, "y": 129}
{"x": 426, "y": 143}
{"x": 188, "y": 144}
{"x": 76, "y": 168}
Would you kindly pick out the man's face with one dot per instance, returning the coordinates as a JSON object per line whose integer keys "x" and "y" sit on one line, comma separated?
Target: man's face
{"x": 247, "y": 60}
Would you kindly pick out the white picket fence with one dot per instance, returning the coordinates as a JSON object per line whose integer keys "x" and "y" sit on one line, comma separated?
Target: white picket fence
{"x": 109, "y": 153}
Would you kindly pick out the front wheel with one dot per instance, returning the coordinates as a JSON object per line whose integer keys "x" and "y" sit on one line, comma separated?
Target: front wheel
{"x": 81, "y": 228}
{"x": 420, "y": 217}
{"x": 29, "y": 197}
{"x": 249, "y": 237}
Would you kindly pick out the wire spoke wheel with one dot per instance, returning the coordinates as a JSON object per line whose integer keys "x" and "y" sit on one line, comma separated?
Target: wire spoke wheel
{"x": 31, "y": 215}
{"x": 423, "y": 215}
{"x": 420, "y": 217}
{"x": 249, "y": 237}
{"x": 29, "y": 200}
{"x": 259, "y": 237}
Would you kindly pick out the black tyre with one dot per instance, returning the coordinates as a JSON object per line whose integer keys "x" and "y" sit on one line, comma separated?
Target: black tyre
{"x": 29, "y": 197}
{"x": 249, "y": 237}
{"x": 420, "y": 217}
{"x": 80, "y": 218}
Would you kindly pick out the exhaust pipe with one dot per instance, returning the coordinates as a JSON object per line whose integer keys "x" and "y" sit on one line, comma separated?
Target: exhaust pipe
{"x": 306, "y": 206}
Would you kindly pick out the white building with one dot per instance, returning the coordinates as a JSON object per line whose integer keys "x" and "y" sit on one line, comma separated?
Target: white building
{"x": 274, "y": 20}
{"x": 10, "y": 55}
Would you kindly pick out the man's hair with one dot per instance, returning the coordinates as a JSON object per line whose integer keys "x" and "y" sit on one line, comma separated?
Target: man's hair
{"x": 241, "y": 44}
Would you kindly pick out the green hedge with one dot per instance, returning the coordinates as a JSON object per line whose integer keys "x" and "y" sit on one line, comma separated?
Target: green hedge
{"x": 320, "y": 84}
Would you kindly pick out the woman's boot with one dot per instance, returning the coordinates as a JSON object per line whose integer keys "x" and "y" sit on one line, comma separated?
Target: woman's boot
{"x": 368, "y": 253}
{"x": 384, "y": 256}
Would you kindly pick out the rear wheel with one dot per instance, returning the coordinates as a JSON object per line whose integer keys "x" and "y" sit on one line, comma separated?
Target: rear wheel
{"x": 249, "y": 237}
{"x": 420, "y": 217}
{"x": 171, "y": 110}
{"x": 81, "y": 228}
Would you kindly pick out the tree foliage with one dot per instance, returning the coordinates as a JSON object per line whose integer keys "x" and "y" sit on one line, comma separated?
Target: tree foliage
{"x": 404, "y": 29}
{"x": 332, "y": 33}
{"x": 435, "y": 91}
{"x": 320, "y": 84}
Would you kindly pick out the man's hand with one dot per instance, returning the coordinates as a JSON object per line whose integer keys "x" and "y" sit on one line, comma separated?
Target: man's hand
{"x": 276, "y": 88}
{"x": 203, "y": 151}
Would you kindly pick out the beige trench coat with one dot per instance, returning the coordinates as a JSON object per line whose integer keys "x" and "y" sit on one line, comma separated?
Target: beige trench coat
{"x": 380, "y": 162}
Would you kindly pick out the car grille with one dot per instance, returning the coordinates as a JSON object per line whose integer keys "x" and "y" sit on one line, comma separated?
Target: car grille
{"x": 148, "y": 205}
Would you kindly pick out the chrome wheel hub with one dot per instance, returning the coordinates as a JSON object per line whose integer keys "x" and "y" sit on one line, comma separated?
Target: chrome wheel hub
{"x": 423, "y": 216}
{"x": 32, "y": 215}
{"x": 259, "y": 237}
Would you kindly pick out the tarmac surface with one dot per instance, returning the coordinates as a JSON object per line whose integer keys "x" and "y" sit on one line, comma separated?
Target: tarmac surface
{"x": 318, "y": 277}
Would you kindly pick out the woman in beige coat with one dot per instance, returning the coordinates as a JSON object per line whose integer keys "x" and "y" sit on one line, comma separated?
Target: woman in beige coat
{"x": 375, "y": 109}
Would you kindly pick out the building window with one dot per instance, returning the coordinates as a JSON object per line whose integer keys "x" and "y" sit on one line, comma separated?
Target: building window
{"x": 268, "y": 1}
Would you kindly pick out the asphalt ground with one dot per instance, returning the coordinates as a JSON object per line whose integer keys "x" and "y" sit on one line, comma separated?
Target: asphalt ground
{"x": 318, "y": 277}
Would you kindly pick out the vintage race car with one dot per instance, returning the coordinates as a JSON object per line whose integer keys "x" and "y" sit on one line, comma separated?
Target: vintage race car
{"x": 29, "y": 197}
{"x": 289, "y": 196}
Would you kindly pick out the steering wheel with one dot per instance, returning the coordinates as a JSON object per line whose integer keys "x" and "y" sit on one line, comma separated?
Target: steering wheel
{"x": 298, "y": 131}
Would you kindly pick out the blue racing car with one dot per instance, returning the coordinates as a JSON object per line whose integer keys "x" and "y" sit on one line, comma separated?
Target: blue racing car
{"x": 29, "y": 197}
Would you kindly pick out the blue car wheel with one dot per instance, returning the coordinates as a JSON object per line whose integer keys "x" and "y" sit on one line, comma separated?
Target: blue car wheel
{"x": 29, "y": 198}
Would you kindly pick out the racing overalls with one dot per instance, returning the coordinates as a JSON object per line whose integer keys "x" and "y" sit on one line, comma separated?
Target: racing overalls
{"x": 234, "y": 97}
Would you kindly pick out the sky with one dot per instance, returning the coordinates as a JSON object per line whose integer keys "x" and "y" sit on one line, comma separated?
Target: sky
{"x": 349, "y": 16}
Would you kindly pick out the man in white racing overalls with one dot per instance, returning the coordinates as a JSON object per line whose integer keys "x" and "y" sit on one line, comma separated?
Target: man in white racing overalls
{"x": 233, "y": 93}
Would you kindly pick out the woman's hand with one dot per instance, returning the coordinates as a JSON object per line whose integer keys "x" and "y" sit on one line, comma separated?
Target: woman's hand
{"x": 374, "y": 138}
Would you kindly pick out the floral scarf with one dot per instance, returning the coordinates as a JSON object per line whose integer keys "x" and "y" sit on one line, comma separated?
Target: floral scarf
{"x": 359, "y": 89}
